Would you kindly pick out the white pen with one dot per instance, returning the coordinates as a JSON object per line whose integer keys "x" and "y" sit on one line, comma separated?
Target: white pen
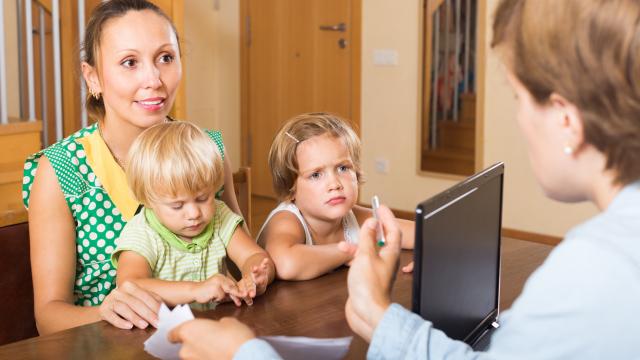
{"x": 375, "y": 204}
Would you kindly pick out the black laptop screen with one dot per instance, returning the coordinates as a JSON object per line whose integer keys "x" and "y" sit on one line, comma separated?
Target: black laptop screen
{"x": 459, "y": 255}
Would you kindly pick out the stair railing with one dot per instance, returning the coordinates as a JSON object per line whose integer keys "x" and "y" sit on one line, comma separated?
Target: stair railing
{"x": 29, "y": 108}
{"x": 451, "y": 70}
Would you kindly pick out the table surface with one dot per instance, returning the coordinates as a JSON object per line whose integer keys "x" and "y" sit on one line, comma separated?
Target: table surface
{"x": 313, "y": 308}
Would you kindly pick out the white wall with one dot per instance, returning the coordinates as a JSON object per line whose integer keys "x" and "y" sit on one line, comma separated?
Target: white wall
{"x": 390, "y": 105}
{"x": 390, "y": 109}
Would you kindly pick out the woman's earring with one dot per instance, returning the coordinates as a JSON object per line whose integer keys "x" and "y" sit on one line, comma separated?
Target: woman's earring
{"x": 96, "y": 95}
{"x": 568, "y": 150}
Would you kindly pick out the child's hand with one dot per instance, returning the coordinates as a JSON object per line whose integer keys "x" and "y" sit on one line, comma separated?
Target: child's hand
{"x": 218, "y": 288}
{"x": 256, "y": 281}
{"x": 350, "y": 250}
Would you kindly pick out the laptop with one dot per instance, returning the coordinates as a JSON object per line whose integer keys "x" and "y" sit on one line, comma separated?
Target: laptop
{"x": 456, "y": 281}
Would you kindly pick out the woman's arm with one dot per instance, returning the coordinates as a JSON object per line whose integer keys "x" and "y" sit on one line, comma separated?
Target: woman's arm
{"x": 53, "y": 263}
{"x": 53, "y": 256}
{"x": 407, "y": 227}
{"x": 284, "y": 240}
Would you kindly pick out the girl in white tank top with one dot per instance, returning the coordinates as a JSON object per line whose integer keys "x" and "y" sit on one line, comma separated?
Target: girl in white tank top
{"x": 315, "y": 165}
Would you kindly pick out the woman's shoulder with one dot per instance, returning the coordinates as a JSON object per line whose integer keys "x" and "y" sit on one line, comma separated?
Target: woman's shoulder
{"x": 65, "y": 157}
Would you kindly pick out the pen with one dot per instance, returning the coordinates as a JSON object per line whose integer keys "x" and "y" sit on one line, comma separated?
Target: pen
{"x": 375, "y": 204}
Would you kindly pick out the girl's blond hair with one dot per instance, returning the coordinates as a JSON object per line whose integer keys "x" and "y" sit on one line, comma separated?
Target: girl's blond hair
{"x": 587, "y": 52}
{"x": 173, "y": 158}
{"x": 283, "y": 160}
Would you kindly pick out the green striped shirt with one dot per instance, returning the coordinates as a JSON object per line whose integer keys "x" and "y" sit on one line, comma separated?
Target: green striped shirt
{"x": 170, "y": 263}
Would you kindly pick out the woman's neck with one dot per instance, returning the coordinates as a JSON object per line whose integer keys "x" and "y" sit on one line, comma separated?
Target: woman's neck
{"x": 119, "y": 135}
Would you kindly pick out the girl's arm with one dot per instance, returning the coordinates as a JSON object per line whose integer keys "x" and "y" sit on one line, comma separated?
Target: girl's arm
{"x": 407, "y": 227}
{"x": 134, "y": 268}
{"x": 249, "y": 257}
{"x": 53, "y": 264}
{"x": 284, "y": 240}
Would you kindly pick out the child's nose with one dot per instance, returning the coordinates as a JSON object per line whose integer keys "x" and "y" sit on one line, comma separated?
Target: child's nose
{"x": 335, "y": 183}
{"x": 193, "y": 212}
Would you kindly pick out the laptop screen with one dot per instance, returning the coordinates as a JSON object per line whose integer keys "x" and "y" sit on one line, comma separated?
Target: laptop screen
{"x": 457, "y": 256}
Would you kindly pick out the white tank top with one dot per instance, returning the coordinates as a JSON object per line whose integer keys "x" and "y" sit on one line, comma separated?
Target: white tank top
{"x": 349, "y": 223}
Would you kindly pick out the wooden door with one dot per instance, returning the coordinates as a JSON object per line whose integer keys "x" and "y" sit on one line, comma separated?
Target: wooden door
{"x": 298, "y": 56}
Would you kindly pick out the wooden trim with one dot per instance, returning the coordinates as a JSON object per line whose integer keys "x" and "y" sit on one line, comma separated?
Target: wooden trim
{"x": 507, "y": 232}
{"x": 356, "y": 63}
{"x": 530, "y": 236}
{"x": 426, "y": 43}
{"x": 20, "y": 127}
{"x": 179, "y": 110}
{"x": 13, "y": 217}
{"x": 244, "y": 84}
{"x": 69, "y": 50}
{"x": 481, "y": 45}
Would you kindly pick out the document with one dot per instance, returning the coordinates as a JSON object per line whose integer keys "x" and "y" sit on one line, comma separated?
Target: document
{"x": 157, "y": 344}
{"x": 293, "y": 347}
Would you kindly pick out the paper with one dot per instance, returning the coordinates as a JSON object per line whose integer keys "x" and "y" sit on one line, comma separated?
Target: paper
{"x": 157, "y": 344}
{"x": 292, "y": 347}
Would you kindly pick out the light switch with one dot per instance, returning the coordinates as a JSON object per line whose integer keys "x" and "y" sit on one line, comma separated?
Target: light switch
{"x": 385, "y": 57}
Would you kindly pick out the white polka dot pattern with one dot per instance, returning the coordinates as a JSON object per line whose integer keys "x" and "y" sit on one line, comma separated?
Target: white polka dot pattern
{"x": 98, "y": 221}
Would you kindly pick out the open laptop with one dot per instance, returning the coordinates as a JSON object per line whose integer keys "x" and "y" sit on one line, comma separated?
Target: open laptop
{"x": 456, "y": 281}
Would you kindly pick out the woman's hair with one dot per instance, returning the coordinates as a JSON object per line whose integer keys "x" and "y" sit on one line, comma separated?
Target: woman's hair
{"x": 173, "y": 158}
{"x": 283, "y": 160}
{"x": 104, "y": 12}
{"x": 588, "y": 52}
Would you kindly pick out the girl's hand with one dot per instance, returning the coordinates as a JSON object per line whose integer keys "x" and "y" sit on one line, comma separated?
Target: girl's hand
{"x": 218, "y": 288}
{"x": 255, "y": 283}
{"x": 129, "y": 305}
{"x": 350, "y": 250}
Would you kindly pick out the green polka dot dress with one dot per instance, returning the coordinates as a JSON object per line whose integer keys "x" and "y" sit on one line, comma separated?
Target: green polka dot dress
{"x": 98, "y": 221}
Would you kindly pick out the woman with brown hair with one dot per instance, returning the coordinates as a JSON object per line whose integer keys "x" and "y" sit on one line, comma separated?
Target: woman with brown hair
{"x": 78, "y": 199}
{"x": 574, "y": 66}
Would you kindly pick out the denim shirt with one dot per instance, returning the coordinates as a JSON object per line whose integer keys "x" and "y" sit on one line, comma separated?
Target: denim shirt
{"x": 582, "y": 303}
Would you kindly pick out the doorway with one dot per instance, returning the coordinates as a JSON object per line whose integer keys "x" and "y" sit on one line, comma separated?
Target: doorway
{"x": 297, "y": 56}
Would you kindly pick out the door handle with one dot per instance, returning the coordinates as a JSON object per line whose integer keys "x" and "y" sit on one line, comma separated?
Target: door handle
{"x": 342, "y": 27}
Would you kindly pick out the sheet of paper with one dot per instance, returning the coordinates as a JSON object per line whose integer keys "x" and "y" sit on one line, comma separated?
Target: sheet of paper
{"x": 293, "y": 347}
{"x": 157, "y": 344}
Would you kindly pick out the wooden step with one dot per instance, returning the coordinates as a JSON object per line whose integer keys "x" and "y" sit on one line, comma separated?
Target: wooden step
{"x": 18, "y": 139}
{"x": 455, "y": 161}
{"x": 467, "y": 107}
{"x": 461, "y": 134}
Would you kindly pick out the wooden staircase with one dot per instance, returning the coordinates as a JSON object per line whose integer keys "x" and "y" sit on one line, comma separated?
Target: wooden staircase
{"x": 455, "y": 152}
{"x": 18, "y": 139}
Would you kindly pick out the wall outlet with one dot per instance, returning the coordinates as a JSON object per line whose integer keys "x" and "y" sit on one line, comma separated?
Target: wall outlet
{"x": 385, "y": 57}
{"x": 382, "y": 165}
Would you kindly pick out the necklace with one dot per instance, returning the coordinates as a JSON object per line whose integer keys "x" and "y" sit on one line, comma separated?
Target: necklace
{"x": 119, "y": 161}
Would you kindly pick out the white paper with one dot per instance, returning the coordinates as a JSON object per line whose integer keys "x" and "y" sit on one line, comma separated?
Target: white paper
{"x": 157, "y": 344}
{"x": 294, "y": 347}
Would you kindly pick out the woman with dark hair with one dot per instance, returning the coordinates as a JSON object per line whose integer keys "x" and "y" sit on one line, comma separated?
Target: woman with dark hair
{"x": 78, "y": 199}
{"x": 574, "y": 66}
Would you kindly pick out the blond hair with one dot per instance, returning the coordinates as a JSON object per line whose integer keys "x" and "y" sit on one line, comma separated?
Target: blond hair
{"x": 283, "y": 160}
{"x": 173, "y": 158}
{"x": 587, "y": 52}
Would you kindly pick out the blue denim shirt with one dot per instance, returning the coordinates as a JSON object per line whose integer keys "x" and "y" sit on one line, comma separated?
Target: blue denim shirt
{"x": 582, "y": 303}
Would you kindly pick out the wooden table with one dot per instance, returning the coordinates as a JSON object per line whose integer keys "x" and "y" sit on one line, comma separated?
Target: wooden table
{"x": 312, "y": 308}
